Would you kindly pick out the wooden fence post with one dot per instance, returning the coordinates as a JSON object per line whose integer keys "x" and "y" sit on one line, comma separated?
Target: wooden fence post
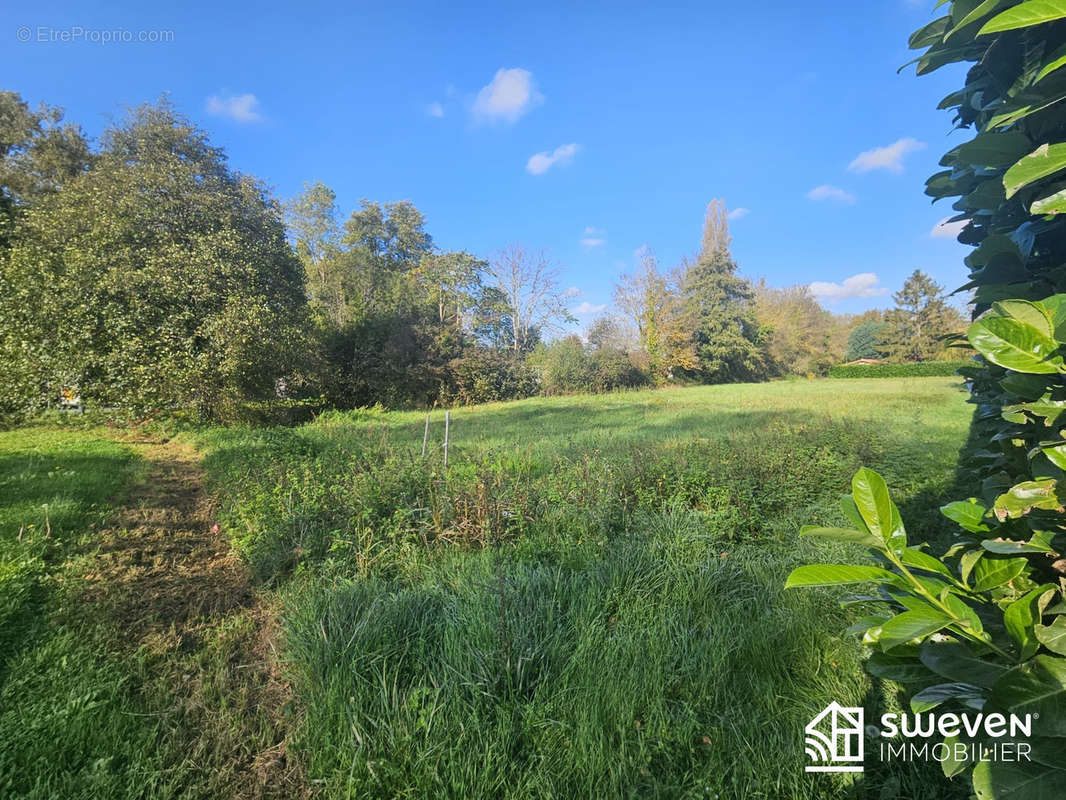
{"x": 425, "y": 437}
{"x": 447, "y": 425}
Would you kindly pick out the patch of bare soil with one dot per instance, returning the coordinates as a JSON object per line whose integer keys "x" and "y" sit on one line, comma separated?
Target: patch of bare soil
{"x": 163, "y": 563}
{"x": 167, "y": 578}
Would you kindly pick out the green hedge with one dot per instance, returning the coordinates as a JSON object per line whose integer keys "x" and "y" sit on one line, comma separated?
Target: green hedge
{"x": 918, "y": 369}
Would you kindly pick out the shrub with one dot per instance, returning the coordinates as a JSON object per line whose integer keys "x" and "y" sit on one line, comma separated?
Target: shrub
{"x": 982, "y": 626}
{"x": 486, "y": 375}
{"x": 566, "y": 367}
{"x": 917, "y": 369}
{"x": 612, "y": 369}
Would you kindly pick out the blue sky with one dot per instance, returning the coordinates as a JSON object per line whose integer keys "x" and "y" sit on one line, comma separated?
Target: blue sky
{"x": 588, "y": 129}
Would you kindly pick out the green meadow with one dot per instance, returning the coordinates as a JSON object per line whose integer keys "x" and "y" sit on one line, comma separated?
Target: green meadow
{"x": 585, "y": 602}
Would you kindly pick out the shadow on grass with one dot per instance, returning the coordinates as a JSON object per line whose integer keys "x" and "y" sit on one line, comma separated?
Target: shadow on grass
{"x": 72, "y": 485}
{"x": 925, "y": 523}
{"x": 47, "y": 500}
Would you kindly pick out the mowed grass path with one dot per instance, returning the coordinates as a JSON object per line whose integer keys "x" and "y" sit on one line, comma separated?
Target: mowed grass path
{"x": 132, "y": 660}
{"x": 587, "y": 601}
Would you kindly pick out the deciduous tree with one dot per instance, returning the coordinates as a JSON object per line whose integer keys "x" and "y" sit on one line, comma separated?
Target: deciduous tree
{"x": 715, "y": 229}
{"x": 38, "y": 155}
{"x": 529, "y": 284}
{"x": 795, "y": 331}
{"x": 314, "y": 229}
{"x": 158, "y": 277}
{"x": 652, "y": 302}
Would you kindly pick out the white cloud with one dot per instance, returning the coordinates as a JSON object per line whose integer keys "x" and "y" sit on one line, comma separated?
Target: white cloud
{"x": 594, "y": 237}
{"x": 738, "y": 213}
{"x": 643, "y": 251}
{"x": 827, "y": 192}
{"x": 241, "y": 107}
{"x": 510, "y": 94}
{"x": 587, "y": 308}
{"x": 435, "y": 110}
{"x": 541, "y": 162}
{"x": 862, "y": 285}
{"x": 947, "y": 230}
{"x": 573, "y": 291}
{"x": 889, "y": 157}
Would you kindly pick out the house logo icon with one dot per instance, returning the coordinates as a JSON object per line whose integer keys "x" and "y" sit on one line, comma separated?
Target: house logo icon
{"x": 834, "y": 740}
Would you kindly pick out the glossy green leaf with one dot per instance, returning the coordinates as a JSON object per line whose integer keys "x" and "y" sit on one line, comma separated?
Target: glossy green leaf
{"x": 1039, "y": 543}
{"x": 896, "y": 668}
{"x": 950, "y": 766}
{"x": 864, "y": 624}
{"x": 1036, "y": 687}
{"x": 1021, "y": 616}
{"x": 969, "y": 514}
{"x": 832, "y": 574}
{"x": 962, "y": 14}
{"x": 1055, "y": 307}
{"x": 1055, "y": 453}
{"x": 851, "y": 511}
{"x": 1054, "y": 62}
{"x": 968, "y": 562}
{"x": 995, "y": 150}
{"x": 938, "y": 694}
{"x": 1017, "y": 111}
{"x": 1048, "y": 410}
{"x": 996, "y": 247}
{"x": 1044, "y": 161}
{"x": 1054, "y": 203}
{"x": 957, "y": 662}
{"x": 930, "y": 34}
{"x": 1015, "y": 345}
{"x": 1027, "y": 387}
{"x": 913, "y": 557}
{"x": 941, "y": 185}
{"x": 1022, "y": 498}
{"x": 909, "y": 625}
{"x": 1024, "y": 15}
{"x": 870, "y": 493}
{"x": 992, "y": 572}
{"x": 1047, "y": 750}
{"x": 1017, "y": 780}
{"x": 963, "y": 611}
{"x": 1029, "y": 313}
{"x": 1053, "y": 636}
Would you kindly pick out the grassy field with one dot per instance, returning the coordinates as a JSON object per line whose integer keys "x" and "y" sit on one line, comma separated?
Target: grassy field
{"x": 586, "y": 602}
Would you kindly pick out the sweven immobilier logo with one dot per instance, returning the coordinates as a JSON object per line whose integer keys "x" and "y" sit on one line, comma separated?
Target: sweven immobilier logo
{"x": 835, "y": 740}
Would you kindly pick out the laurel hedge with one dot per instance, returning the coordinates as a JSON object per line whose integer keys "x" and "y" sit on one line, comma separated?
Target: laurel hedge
{"x": 917, "y": 369}
{"x": 982, "y": 625}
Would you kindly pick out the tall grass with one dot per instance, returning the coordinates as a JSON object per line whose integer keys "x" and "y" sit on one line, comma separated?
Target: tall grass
{"x": 586, "y": 602}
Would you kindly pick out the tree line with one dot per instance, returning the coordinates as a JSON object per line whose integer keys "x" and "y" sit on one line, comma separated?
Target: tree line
{"x": 146, "y": 273}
